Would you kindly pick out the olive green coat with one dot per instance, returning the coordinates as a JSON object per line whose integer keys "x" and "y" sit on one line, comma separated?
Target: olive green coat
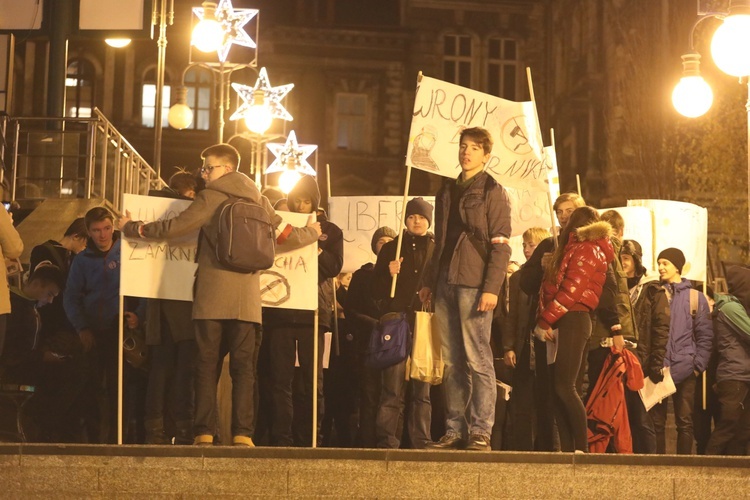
{"x": 11, "y": 247}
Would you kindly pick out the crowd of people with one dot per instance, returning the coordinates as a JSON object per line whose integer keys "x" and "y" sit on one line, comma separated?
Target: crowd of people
{"x": 548, "y": 355}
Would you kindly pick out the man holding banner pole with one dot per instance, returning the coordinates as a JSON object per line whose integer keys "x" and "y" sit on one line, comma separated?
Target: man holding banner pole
{"x": 472, "y": 227}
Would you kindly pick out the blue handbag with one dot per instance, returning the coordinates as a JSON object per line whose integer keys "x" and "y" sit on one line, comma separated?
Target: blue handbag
{"x": 390, "y": 341}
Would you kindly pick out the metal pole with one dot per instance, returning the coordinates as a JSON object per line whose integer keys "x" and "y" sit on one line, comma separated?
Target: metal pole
{"x": 61, "y": 18}
{"x": 220, "y": 134}
{"x": 747, "y": 108}
{"x": 160, "y": 68}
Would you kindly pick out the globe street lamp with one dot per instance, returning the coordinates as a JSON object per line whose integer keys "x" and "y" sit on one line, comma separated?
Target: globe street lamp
{"x": 730, "y": 49}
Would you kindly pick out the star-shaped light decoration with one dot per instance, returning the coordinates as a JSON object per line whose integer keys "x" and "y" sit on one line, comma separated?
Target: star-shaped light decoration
{"x": 291, "y": 156}
{"x": 233, "y": 23}
{"x": 272, "y": 97}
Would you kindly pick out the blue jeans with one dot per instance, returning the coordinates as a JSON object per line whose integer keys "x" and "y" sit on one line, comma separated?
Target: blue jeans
{"x": 391, "y": 409}
{"x": 469, "y": 378}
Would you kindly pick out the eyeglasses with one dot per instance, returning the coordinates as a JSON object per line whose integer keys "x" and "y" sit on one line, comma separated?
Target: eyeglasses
{"x": 207, "y": 169}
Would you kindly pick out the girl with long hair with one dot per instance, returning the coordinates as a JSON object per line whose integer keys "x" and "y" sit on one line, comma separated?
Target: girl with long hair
{"x": 571, "y": 289}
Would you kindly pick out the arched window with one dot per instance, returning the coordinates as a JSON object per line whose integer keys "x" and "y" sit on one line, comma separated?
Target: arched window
{"x": 148, "y": 99}
{"x": 502, "y": 68}
{"x": 199, "y": 83}
{"x": 457, "y": 59}
{"x": 80, "y": 83}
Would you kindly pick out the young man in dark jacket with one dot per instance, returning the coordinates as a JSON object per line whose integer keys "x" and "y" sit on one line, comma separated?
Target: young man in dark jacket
{"x": 287, "y": 328}
{"x": 416, "y": 251}
{"x": 688, "y": 350}
{"x": 472, "y": 227}
{"x": 651, "y": 310}
{"x": 226, "y": 304}
{"x": 362, "y": 313}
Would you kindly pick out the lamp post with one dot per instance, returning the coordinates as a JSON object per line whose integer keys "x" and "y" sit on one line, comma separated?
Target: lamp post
{"x": 164, "y": 18}
{"x": 730, "y": 49}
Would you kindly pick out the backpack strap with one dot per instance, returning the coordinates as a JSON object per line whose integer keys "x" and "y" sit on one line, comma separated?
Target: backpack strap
{"x": 693, "y": 303}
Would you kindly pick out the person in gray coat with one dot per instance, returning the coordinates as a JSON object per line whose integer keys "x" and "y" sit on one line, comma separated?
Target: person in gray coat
{"x": 226, "y": 304}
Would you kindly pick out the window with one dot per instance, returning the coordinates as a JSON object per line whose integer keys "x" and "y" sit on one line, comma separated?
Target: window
{"x": 502, "y": 68}
{"x": 457, "y": 59}
{"x": 148, "y": 100}
{"x": 199, "y": 82}
{"x": 351, "y": 122}
{"x": 79, "y": 89}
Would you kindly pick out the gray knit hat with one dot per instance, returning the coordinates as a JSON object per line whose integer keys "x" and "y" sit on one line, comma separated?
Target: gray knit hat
{"x": 379, "y": 233}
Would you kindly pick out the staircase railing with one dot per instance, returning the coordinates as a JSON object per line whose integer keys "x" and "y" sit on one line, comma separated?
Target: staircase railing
{"x": 75, "y": 158}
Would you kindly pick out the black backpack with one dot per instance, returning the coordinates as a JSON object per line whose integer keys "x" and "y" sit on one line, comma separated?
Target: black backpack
{"x": 246, "y": 239}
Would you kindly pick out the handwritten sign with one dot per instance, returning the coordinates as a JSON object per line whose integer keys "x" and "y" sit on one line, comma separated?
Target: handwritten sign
{"x": 442, "y": 110}
{"x": 680, "y": 225}
{"x": 292, "y": 281}
{"x": 639, "y": 226}
{"x": 152, "y": 268}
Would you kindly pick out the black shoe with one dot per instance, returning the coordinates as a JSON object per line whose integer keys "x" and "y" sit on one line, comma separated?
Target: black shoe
{"x": 448, "y": 442}
{"x": 478, "y": 442}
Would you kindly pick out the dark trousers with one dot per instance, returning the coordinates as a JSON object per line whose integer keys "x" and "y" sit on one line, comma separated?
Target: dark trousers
{"x": 171, "y": 377}
{"x": 683, "y": 401}
{"x": 546, "y": 438}
{"x": 3, "y": 323}
{"x": 285, "y": 341}
{"x": 242, "y": 339}
{"x": 641, "y": 425}
{"x": 734, "y": 425}
{"x": 391, "y": 409}
{"x": 369, "y": 397}
{"x": 521, "y": 404}
{"x": 574, "y": 331}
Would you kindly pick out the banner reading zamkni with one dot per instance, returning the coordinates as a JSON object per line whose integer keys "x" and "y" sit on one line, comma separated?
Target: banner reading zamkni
{"x": 359, "y": 217}
{"x": 152, "y": 268}
{"x": 442, "y": 110}
{"x": 292, "y": 281}
{"x": 680, "y": 225}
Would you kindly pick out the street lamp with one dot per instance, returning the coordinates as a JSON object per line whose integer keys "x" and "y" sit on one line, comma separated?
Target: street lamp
{"x": 730, "y": 49}
{"x": 208, "y": 34}
{"x": 291, "y": 161}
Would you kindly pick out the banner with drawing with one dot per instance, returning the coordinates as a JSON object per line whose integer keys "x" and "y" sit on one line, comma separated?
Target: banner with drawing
{"x": 680, "y": 225}
{"x": 639, "y": 226}
{"x": 292, "y": 281}
{"x": 359, "y": 217}
{"x": 157, "y": 269}
{"x": 442, "y": 110}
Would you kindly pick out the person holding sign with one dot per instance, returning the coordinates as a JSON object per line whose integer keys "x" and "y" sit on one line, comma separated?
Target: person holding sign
{"x": 467, "y": 270}
{"x": 417, "y": 250}
{"x": 688, "y": 348}
{"x": 227, "y": 304}
{"x": 572, "y": 286}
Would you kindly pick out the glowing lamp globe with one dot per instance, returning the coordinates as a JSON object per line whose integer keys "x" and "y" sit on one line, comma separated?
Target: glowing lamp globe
{"x": 288, "y": 180}
{"x": 258, "y": 119}
{"x": 117, "y": 43}
{"x": 692, "y": 96}
{"x": 208, "y": 35}
{"x": 180, "y": 116}
{"x": 730, "y": 46}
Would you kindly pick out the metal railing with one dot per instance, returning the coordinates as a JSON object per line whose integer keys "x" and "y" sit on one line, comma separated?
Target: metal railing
{"x": 75, "y": 158}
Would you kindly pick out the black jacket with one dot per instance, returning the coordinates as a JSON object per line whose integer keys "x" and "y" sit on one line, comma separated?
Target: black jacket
{"x": 651, "y": 310}
{"x": 360, "y": 307}
{"x": 416, "y": 252}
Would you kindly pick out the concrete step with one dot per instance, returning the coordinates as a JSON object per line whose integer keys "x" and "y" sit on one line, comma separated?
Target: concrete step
{"x": 88, "y": 471}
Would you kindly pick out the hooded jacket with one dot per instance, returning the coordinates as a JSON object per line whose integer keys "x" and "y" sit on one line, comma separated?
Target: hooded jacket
{"x": 484, "y": 211}
{"x": 651, "y": 309}
{"x": 732, "y": 329}
{"x": 581, "y": 276}
{"x": 92, "y": 292}
{"x": 690, "y": 339}
{"x": 219, "y": 292}
{"x": 330, "y": 262}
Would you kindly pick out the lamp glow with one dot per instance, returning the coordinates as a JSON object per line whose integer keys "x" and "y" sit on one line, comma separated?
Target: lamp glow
{"x": 692, "y": 96}
{"x": 117, "y": 43}
{"x": 208, "y": 34}
{"x": 288, "y": 179}
{"x": 180, "y": 116}
{"x": 258, "y": 117}
{"x": 730, "y": 45}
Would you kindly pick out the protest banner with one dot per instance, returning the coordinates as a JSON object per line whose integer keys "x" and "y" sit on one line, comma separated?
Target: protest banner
{"x": 292, "y": 281}
{"x": 157, "y": 269}
{"x": 680, "y": 225}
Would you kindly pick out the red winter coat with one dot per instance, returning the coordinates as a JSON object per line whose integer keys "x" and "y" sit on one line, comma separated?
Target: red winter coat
{"x": 581, "y": 276}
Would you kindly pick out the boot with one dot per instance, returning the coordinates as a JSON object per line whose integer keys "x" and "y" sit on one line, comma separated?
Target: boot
{"x": 155, "y": 431}
{"x": 183, "y": 432}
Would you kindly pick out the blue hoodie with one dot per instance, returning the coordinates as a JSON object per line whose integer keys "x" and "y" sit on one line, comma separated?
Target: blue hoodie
{"x": 690, "y": 341}
{"x": 92, "y": 292}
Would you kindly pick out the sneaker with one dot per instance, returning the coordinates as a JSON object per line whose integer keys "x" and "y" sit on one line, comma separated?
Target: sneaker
{"x": 243, "y": 441}
{"x": 447, "y": 442}
{"x": 203, "y": 440}
{"x": 478, "y": 442}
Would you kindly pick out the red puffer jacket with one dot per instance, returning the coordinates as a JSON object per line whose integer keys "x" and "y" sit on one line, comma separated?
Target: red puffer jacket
{"x": 582, "y": 273}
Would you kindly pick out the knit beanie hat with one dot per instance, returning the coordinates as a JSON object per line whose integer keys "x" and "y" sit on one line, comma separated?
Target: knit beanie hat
{"x": 633, "y": 248}
{"x": 675, "y": 256}
{"x": 418, "y": 206}
{"x": 379, "y": 233}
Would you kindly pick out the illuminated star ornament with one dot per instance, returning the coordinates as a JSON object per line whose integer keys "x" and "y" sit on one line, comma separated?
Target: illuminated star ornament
{"x": 291, "y": 156}
{"x": 272, "y": 97}
{"x": 233, "y": 23}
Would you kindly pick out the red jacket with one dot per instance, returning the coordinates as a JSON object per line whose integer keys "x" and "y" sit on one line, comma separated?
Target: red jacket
{"x": 582, "y": 273}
